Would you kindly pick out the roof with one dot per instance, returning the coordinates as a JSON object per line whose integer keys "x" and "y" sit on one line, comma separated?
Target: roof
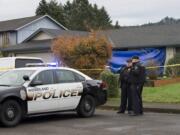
{"x": 56, "y": 33}
{"x": 15, "y": 24}
{"x": 128, "y": 37}
{"x": 39, "y": 45}
{"x": 145, "y": 36}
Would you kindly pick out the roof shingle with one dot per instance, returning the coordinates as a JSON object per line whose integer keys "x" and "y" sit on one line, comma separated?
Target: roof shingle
{"x": 12, "y": 25}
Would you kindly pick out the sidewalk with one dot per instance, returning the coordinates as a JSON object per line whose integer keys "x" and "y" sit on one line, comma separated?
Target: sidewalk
{"x": 149, "y": 107}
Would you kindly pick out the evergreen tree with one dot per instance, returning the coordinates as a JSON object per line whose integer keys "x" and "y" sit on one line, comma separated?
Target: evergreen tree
{"x": 53, "y": 9}
{"x": 76, "y": 15}
{"x": 117, "y": 26}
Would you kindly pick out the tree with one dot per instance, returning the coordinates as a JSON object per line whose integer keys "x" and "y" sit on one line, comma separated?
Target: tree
{"x": 117, "y": 26}
{"x": 86, "y": 16}
{"x": 82, "y": 52}
{"x": 53, "y": 9}
{"x": 76, "y": 15}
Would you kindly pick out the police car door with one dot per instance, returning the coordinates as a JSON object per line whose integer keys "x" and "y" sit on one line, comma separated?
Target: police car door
{"x": 40, "y": 93}
{"x": 69, "y": 89}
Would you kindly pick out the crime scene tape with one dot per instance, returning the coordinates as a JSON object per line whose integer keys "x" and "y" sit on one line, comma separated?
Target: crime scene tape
{"x": 174, "y": 65}
{"x": 154, "y": 67}
{"x": 5, "y": 68}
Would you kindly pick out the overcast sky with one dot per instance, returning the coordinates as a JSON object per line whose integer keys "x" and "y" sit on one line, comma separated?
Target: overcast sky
{"x": 127, "y": 12}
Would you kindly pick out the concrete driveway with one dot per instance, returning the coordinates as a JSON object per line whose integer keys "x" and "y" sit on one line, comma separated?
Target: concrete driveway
{"x": 103, "y": 123}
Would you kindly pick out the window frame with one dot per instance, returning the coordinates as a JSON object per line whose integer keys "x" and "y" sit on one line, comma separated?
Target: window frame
{"x": 54, "y": 78}
{"x": 74, "y": 74}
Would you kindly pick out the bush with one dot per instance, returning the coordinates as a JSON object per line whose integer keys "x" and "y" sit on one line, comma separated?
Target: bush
{"x": 112, "y": 82}
{"x": 92, "y": 73}
{"x": 173, "y": 71}
{"x": 152, "y": 73}
{"x": 88, "y": 52}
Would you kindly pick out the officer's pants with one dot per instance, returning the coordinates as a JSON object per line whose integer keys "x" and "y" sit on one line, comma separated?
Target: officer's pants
{"x": 125, "y": 97}
{"x": 136, "y": 92}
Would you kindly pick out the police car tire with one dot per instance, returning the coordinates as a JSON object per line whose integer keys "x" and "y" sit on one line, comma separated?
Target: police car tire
{"x": 15, "y": 112}
{"x": 86, "y": 107}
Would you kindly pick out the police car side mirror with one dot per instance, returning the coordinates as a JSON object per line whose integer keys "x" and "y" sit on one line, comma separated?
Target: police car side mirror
{"x": 26, "y": 78}
{"x": 36, "y": 83}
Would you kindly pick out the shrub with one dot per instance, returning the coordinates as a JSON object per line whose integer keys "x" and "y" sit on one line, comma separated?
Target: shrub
{"x": 173, "y": 71}
{"x": 112, "y": 82}
{"x": 92, "y": 73}
{"x": 88, "y": 52}
{"x": 152, "y": 73}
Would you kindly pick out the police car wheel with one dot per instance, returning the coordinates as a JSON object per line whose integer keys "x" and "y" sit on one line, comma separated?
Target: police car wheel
{"x": 11, "y": 113}
{"x": 87, "y": 106}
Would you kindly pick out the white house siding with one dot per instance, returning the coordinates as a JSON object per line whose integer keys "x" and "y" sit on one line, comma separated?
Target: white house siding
{"x": 30, "y": 29}
{"x": 46, "y": 56}
{"x": 170, "y": 52}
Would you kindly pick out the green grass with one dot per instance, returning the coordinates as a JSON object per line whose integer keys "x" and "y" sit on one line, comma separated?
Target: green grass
{"x": 164, "y": 94}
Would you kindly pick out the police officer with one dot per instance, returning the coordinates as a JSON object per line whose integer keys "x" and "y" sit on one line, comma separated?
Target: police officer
{"x": 125, "y": 89}
{"x": 137, "y": 78}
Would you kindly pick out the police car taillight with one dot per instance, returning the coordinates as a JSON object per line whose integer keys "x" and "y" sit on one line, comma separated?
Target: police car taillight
{"x": 103, "y": 85}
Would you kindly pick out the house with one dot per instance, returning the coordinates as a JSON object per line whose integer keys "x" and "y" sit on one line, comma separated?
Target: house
{"x": 39, "y": 44}
{"x": 15, "y": 31}
{"x": 159, "y": 42}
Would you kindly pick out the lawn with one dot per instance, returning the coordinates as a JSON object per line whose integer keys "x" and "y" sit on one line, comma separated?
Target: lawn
{"x": 164, "y": 94}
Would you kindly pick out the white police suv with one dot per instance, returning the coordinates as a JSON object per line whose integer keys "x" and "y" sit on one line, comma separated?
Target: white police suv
{"x": 39, "y": 90}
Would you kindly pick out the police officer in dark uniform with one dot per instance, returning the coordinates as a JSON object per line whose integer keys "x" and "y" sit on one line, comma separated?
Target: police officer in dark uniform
{"x": 125, "y": 89}
{"x": 137, "y": 79}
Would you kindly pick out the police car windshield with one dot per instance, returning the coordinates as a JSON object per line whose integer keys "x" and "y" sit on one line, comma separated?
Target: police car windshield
{"x": 14, "y": 77}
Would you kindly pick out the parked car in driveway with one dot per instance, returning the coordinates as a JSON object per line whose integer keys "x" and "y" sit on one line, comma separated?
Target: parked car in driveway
{"x": 8, "y": 63}
{"x": 32, "y": 91}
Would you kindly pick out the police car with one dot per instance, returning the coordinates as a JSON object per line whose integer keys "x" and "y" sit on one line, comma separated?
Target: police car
{"x": 39, "y": 90}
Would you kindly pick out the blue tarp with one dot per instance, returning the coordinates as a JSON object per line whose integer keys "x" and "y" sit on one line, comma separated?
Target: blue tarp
{"x": 158, "y": 55}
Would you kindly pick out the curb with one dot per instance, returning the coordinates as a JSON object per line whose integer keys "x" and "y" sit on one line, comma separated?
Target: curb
{"x": 146, "y": 109}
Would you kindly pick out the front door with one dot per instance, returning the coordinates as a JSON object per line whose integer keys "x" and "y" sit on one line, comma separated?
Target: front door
{"x": 40, "y": 93}
{"x": 68, "y": 89}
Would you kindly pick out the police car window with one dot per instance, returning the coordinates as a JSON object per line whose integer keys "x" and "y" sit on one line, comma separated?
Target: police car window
{"x": 79, "y": 78}
{"x": 46, "y": 77}
{"x": 64, "y": 76}
{"x": 14, "y": 77}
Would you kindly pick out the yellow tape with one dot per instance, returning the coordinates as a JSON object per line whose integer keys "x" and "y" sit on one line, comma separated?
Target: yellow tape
{"x": 5, "y": 68}
{"x": 91, "y": 69}
{"x": 98, "y": 69}
{"x": 174, "y": 65}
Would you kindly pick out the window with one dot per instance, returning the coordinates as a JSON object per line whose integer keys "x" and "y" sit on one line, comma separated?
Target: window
{"x": 5, "y": 39}
{"x": 64, "y": 76}
{"x": 14, "y": 77}
{"x": 46, "y": 77}
{"x": 79, "y": 78}
{"x": 22, "y": 62}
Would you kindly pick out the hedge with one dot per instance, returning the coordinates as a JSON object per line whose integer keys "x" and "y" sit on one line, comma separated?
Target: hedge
{"x": 112, "y": 82}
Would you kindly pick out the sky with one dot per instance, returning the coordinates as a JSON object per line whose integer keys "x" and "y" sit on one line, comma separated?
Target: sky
{"x": 127, "y": 12}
